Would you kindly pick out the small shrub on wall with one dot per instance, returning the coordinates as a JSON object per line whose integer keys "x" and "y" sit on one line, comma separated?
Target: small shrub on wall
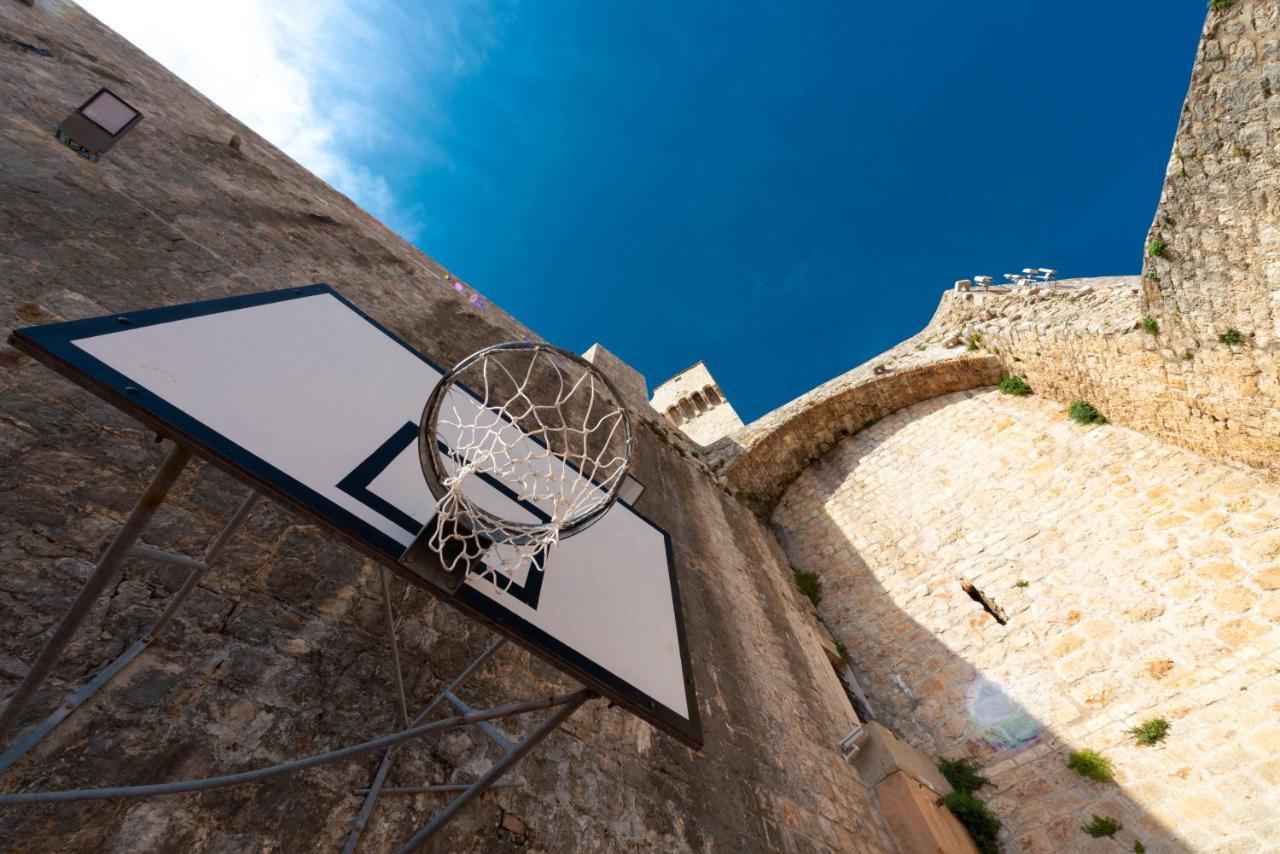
{"x": 809, "y": 584}
{"x": 1152, "y": 732}
{"x": 1083, "y": 412}
{"x": 963, "y": 775}
{"x": 1102, "y": 826}
{"x": 978, "y": 819}
{"x": 1015, "y": 385}
{"x": 972, "y": 812}
{"x": 1093, "y": 765}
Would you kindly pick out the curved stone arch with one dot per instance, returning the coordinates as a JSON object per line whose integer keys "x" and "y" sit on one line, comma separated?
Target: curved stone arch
{"x": 761, "y": 461}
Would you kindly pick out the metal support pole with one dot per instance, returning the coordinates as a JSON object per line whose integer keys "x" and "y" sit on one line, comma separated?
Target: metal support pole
{"x": 384, "y": 767}
{"x": 371, "y": 794}
{"x": 211, "y": 553}
{"x": 36, "y": 734}
{"x": 439, "y": 787}
{"x": 181, "y": 786}
{"x": 496, "y": 735}
{"x": 395, "y": 645}
{"x": 143, "y": 550}
{"x": 128, "y": 534}
{"x": 370, "y": 798}
{"x": 499, "y": 768}
{"x": 462, "y": 677}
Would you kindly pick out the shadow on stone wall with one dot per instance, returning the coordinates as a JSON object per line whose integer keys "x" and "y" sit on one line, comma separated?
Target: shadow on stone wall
{"x": 1023, "y": 757}
{"x": 945, "y": 705}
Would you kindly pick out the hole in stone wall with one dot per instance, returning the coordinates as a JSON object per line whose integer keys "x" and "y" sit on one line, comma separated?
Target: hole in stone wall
{"x": 987, "y": 603}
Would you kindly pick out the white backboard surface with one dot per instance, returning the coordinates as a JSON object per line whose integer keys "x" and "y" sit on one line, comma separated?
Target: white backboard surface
{"x": 300, "y": 390}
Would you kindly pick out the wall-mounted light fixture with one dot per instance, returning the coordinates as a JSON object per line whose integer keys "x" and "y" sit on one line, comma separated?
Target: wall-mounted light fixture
{"x": 98, "y": 124}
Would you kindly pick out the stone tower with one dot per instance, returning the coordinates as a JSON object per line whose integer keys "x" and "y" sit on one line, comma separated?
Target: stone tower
{"x": 693, "y": 401}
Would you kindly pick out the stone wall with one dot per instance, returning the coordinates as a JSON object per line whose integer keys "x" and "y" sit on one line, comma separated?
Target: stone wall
{"x": 1219, "y": 214}
{"x": 1138, "y": 580}
{"x": 1084, "y": 340}
{"x": 281, "y": 652}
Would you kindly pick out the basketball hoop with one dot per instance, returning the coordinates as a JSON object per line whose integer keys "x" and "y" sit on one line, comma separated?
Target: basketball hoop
{"x": 522, "y": 445}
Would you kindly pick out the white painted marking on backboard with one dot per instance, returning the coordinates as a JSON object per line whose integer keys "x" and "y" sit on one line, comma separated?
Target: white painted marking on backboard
{"x": 313, "y": 389}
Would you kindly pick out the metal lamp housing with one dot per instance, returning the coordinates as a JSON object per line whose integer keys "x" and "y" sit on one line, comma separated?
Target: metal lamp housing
{"x": 98, "y": 124}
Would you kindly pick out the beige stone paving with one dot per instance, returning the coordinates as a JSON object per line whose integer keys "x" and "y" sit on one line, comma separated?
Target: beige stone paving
{"x": 1152, "y": 588}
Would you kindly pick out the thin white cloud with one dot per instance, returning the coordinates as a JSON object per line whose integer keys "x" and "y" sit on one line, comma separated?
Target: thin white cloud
{"x": 309, "y": 76}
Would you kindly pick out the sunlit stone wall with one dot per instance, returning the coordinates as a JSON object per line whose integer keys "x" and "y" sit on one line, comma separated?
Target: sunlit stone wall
{"x": 1138, "y": 580}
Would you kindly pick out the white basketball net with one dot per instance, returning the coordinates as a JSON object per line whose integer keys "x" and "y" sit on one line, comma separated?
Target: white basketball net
{"x": 545, "y": 430}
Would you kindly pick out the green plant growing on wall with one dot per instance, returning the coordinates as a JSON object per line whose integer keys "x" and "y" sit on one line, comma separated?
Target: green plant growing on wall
{"x": 1187, "y": 355}
{"x": 963, "y": 775}
{"x": 1014, "y": 385}
{"x": 809, "y": 584}
{"x": 1152, "y": 277}
{"x": 1083, "y": 412}
{"x": 1139, "y": 848}
{"x": 972, "y": 812}
{"x": 1219, "y": 5}
{"x": 843, "y": 650}
{"x": 1149, "y": 325}
{"x": 1102, "y": 826}
{"x": 1232, "y": 337}
{"x": 1157, "y": 247}
{"x": 978, "y": 819}
{"x": 972, "y": 342}
{"x": 1022, "y": 582}
{"x": 1150, "y": 732}
{"x": 1093, "y": 765}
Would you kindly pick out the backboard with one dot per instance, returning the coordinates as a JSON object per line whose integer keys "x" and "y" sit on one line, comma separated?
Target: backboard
{"x": 305, "y": 397}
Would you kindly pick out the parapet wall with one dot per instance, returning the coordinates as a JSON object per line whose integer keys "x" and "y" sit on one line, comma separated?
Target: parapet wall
{"x": 1082, "y": 339}
{"x": 1085, "y": 340}
{"x": 759, "y": 461}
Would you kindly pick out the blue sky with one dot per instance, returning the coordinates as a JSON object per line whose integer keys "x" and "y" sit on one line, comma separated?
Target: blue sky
{"x": 781, "y": 189}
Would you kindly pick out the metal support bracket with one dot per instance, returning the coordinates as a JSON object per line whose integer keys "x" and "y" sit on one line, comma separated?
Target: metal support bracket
{"x": 126, "y": 544}
{"x": 495, "y": 735}
{"x": 108, "y": 564}
{"x": 81, "y": 695}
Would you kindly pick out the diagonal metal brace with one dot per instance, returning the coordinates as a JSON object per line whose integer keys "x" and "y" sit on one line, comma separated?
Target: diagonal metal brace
{"x": 384, "y": 767}
{"x": 496, "y": 735}
{"x": 81, "y": 695}
{"x": 486, "y": 781}
{"x": 560, "y": 701}
{"x": 148, "y": 503}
